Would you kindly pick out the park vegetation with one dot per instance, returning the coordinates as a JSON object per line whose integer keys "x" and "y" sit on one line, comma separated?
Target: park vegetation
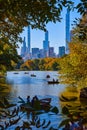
{"x": 73, "y": 67}
{"x": 41, "y": 64}
{"x": 73, "y": 73}
{"x": 15, "y": 15}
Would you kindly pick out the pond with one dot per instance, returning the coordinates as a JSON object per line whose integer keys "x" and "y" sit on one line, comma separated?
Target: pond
{"x": 23, "y": 84}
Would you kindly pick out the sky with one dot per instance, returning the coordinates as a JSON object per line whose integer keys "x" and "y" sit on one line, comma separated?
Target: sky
{"x": 56, "y": 33}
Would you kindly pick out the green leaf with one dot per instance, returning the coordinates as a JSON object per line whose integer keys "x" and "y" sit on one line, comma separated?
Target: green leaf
{"x": 37, "y": 105}
{"x": 6, "y": 101}
{"x": 22, "y": 101}
{"x": 38, "y": 123}
{"x": 44, "y": 121}
{"x": 11, "y": 105}
{"x": 26, "y": 124}
{"x": 68, "y": 105}
{"x": 55, "y": 110}
{"x": 64, "y": 122}
{"x": 47, "y": 125}
{"x": 84, "y": 0}
{"x": 65, "y": 110}
{"x": 73, "y": 99}
{"x": 39, "y": 112}
{"x": 64, "y": 98}
{"x": 60, "y": 6}
{"x": 2, "y": 105}
{"x": 79, "y": 5}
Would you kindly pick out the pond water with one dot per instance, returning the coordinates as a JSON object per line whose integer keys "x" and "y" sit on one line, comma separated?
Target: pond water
{"x": 22, "y": 84}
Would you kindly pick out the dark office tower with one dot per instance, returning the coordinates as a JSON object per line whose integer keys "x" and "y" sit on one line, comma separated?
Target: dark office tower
{"x": 35, "y": 52}
{"x": 67, "y": 30}
{"x": 51, "y": 52}
{"x": 28, "y": 39}
{"x": 23, "y": 49}
{"x": 46, "y": 45}
{"x": 24, "y": 45}
{"x": 61, "y": 51}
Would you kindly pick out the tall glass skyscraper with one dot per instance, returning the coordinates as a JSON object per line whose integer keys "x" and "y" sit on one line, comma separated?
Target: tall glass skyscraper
{"x": 46, "y": 45}
{"x": 23, "y": 49}
{"x": 67, "y": 30}
{"x": 61, "y": 51}
{"x": 28, "y": 40}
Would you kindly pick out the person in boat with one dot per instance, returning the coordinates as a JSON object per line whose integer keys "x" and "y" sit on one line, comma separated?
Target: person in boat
{"x": 48, "y": 76}
{"x": 28, "y": 99}
{"x": 53, "y": 80}
{"x": 35, "y": 98}
{"x": 57, "y": 80}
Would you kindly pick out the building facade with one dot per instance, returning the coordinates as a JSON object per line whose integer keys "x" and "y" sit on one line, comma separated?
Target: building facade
{"x": 23, "y": 49}
{"x": 35, "y": 53}
{"x": 51, "y": 52}
{"x": 67, "y": 28}
{"x": 61, "y": 51}
{"x": 46, "y": 45}
{"x": 28, "y": 40}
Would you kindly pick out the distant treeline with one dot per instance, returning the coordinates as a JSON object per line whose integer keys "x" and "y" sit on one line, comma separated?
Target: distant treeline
{"x": 41, "y": 64}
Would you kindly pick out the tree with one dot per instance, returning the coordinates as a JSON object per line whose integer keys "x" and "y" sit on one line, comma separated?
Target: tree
{"x": 16, "y": 14}
{"x": 41, "y": 64}
{"x": 8, "y": 54}
{"x": 36, "y": 64}
{"x": 73, "y": 67}
{"x": 80, "y": 29}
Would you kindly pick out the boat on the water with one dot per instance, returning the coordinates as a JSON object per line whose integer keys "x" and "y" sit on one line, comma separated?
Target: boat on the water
{"x": 33, "y": 75}
{"x": 45, "y": 100}
{"x": 26, "y": 72}
{"x": 48, "y": 76}
{"x": 16, "y": 73}
{"x": 53, "y": 82}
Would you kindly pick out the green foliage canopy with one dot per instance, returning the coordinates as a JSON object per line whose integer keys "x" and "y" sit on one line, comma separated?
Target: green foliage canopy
{"x": 74, "y": 65}
{"x": 17, "y": 14}
{"x": 41, "y": 64}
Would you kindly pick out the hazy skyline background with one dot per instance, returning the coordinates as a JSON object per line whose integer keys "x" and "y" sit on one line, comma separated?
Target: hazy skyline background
{"x": 56, "y": 33}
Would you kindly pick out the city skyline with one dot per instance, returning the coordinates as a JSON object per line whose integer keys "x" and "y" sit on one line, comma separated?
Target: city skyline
{"x": 57, "y": 33}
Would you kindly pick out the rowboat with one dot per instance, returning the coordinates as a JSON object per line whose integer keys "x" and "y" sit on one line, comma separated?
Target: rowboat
{"x": 33, "y": 75}
{"x": 53, "y": 82}
{"x": 26, "y": 72}
{"x": 48, "y": 76}
{"x": 15, "y": 72}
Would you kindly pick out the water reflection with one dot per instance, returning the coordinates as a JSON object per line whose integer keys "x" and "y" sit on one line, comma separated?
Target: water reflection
{"x": 23, "y": 84}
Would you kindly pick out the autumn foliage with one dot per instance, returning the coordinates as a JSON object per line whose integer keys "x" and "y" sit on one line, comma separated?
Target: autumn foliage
{"x": 41, "y": 64}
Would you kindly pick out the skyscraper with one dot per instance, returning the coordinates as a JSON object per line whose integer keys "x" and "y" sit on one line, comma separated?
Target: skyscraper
{"x": 23, "y": 49}
{"x": 61, "y": 51}
{"x": 51, "y": 52}
{"x": 35, "y": 52}
{"x": 28, "y": 39}
{"x": 46, "y": 45}
{"x": 67, "y": 30}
